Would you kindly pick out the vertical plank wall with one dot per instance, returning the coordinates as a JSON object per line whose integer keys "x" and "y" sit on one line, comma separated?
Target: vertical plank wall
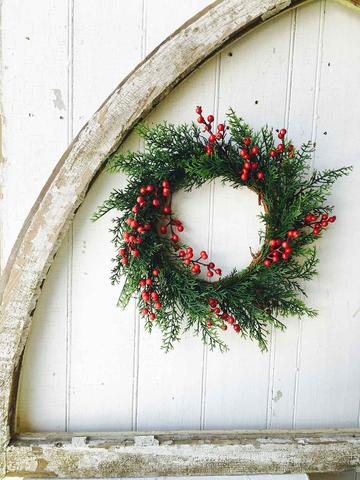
{"x": 90, "y": 366}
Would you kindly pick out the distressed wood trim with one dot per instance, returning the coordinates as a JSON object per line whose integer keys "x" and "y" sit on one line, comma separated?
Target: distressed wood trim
{"x": 172, "y": 61}
{"x": 182, "y": 453}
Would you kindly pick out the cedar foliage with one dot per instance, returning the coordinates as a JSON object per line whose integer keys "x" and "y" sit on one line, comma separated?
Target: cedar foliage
{"x": 256, "y": 296}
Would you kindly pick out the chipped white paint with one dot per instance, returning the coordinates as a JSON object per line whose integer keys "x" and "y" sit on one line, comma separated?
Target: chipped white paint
{"x": 45, "y": 227}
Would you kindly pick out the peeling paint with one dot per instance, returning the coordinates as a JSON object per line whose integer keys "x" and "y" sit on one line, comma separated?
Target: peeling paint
{"x": 58, "y": 100}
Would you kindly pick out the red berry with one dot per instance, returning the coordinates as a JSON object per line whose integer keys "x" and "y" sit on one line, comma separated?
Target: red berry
{"x": 272, "y": 153}
{"x": 145, "y": 311}
{"x": 174, "y": 237}
{"x": 122, "y": 251}
{"x": 247, "y": 140}
{"x": 135, "y": 253}
{"x": 152, "y": 316}
{"x": 142, "y": 282}
{"x": 138, "y": 240}
{"x": 243, "y": 177}
{"x": 236, "y": 327}
{"x": 143, "y": 190}
{"x": 243, "y": 152}
{"x": 308, "y": 218}
{"x": 221, "y": 127}
{"x": 267, "y": 263}
{"x": 180, "y": 228}
{"x": 167, "y": 209}
{"x": 140, "y": 199}
{"x": 201, "y": 119}
{"x": 219, "y": 136}
{"x": 324, "y": 216}
{"x": 247, "y": 165}
{"x": 288, "y": 250}
{"x": 278, "y": 242}
{"x": 194, "y": 269}
{"x": 155, "y": 272}
{"x": 223, "y": 327}
{"x": 254, "y": 165}
{"x": 145, "y": 296}
{"x": 212, "y": 138}
{"x": 154, "y": 295}
{"x": 209, "y": 149}
{"x": 131, "y": 238}
{"x": 280, "y": 147}
{"x": 165, "y": 184}
{"x": 148, "y": 281}
{"x": 316, "y": 231}
{"x": 187, "y": 261}
{"x": 272, "y": 243}
{"x": 231, "y": 320}
{"x": 283, "y": 131}
{"x": 276, "y": 259}
{"x": 163, "y": 229}
{"x": 150, "y": 188}
{"x": 285, "y": 256}
{"x": 166, "y": 192}
{"x": 213, "y": 301}
{"x": 260, "y": 175}
{"x": 332, "y": 219}
{"x": 158, "y": 305}
{"x": 209, "y": 273}
{"x": 209, "y": 323}
{"x": 210, "y": 118}
{"x": 254, "y": 150}
{"x": 217, "y": 310}
{"x": 156, "y": 202}
{"x": 324, "y": 223}
{"x": 198, "y": 110}
{"x": 147, "y": 226}
{"x": 203, "y": 255}
{"x": 285, "y": 244}
{"x": 218, "y": 271}
{"x": 181, "y": 253}
{"x": 211, "y": 265}
{"x": 135, "y": 209}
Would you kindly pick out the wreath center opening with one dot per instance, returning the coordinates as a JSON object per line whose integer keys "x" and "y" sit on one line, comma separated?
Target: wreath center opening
{"x": 223, "y": 221}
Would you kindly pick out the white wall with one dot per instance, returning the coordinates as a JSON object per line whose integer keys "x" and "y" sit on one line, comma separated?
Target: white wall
{"x": 90, "y": 366}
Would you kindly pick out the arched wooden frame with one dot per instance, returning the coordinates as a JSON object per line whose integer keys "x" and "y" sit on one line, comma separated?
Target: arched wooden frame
{"x": 162, "y": 453}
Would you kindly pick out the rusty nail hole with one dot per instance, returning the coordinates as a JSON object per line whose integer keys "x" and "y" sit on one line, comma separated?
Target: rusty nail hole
{"x": 230, "y": 54}
{"x": 256, "y": 102}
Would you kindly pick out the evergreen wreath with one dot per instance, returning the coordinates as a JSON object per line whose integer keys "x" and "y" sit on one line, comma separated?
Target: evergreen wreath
{"x": 164, "y": 272}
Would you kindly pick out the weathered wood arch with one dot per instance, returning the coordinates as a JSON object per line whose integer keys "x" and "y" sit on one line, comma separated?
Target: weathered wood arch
{"x": 171, "y": 62}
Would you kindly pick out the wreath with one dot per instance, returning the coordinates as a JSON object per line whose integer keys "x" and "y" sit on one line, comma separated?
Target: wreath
{"x": 179, "y": 289}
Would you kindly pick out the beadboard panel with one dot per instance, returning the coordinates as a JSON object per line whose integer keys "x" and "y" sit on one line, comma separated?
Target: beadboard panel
{"x": 90, "y": 366}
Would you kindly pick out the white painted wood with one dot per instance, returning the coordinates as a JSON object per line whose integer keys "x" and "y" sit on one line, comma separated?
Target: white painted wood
{"x": 330, "y": 366}
{"x": 238, "y": 383}
{"x": 35, "y": 132}
{"x": 277, "y": 65}
{"x": 34, "y": 105}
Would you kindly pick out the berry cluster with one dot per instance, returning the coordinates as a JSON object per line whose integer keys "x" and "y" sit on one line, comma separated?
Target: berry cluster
{"x": 214, "y": 138}
{"x": 281, "y": 147}
{"x": 280, "y": 249}
{"x": 318, "y": 222}
{"x": 222, "y": 315}
{"x": 150, "y": 295}
{"x": 188, "y": 259}
{"x": 248, "y": 153}
{"x": 132, "y": 240}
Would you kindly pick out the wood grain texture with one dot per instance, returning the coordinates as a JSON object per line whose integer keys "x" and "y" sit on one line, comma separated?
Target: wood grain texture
{"x": 182, "y": 453}
{"x": 65, "y": 190}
